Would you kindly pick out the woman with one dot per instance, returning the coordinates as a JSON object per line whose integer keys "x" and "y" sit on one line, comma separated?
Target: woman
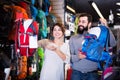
{"x": 56, "y": 53}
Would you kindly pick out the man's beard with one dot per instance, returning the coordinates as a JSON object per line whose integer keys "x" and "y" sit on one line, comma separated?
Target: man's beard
{"x": 82, "y": 29}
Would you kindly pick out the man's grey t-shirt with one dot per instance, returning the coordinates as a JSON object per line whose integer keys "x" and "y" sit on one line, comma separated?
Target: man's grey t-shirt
{"x": 83, "y": 65}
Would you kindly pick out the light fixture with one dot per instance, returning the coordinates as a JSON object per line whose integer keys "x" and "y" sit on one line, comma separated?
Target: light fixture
{"x": 118, "y": 3}
{"x": 96, "y": 8}
{"x": 118, "y": 14}
{"x": 118, "y": 10}
{"x": 71, "y": 9}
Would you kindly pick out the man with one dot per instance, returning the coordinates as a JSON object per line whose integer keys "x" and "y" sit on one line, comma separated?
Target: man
{"x": 84, "y": 69}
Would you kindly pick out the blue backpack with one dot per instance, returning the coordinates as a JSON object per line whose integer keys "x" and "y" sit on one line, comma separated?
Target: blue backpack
{"x": 96, "y": 49}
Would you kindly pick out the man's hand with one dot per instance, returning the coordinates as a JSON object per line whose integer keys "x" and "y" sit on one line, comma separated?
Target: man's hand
{"x": 81, "y": 55}
{"x": 103, "y": 21}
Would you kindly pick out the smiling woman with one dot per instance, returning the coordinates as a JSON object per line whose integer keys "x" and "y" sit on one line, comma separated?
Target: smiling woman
{"x": 56, "y": 54}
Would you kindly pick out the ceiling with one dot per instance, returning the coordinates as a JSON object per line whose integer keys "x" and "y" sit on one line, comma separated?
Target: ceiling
{"x": 103, "y": 5}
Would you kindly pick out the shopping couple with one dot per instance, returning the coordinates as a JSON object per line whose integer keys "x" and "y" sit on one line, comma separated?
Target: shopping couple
{"x": 57, "y": 52}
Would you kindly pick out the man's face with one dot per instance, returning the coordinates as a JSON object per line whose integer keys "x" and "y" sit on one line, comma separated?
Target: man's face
{"x": 82, "y": 24}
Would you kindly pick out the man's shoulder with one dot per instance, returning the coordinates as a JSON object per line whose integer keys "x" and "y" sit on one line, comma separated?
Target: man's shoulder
{"x": 75, "y": 35}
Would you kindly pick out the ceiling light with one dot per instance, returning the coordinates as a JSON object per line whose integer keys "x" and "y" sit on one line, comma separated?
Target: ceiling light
{"x": 117, "y": 9}
{"x": 118, "y": 14}
{"x": 71, "y": 9}
{"x": 118, "y": 3}
{"x": 96, "y": 8}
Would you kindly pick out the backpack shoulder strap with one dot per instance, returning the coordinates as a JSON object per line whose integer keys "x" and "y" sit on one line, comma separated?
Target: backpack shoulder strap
{"x": 34, "y": 27}
{"x": 104, "y": 37}
{"x": 103, "y": 34}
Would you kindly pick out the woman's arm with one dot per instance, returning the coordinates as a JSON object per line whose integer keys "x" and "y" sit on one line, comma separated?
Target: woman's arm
{"x": 60, "y": 54}
{"x": 43, "y": 43}
{"x": 57, "y": 51}
{"x": 63, "y": 54}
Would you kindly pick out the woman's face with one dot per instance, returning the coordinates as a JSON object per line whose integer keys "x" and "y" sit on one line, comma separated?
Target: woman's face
{"x": 57, "y": 32}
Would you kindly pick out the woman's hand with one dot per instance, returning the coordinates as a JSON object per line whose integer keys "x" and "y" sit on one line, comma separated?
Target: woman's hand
{"x": 51, "y": 47}
{"x": 57, "y": 51}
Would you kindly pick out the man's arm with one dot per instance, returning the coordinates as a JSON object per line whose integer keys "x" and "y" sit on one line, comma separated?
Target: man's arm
{"x": 112, "y": 40}
{"x": 74, "y": 56}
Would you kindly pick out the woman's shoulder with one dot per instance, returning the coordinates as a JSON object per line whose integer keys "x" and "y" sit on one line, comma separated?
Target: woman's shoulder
{"x": 44, "y": 40}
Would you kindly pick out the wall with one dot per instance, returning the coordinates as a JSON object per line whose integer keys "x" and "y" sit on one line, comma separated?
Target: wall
{"x": 58, "y": 9}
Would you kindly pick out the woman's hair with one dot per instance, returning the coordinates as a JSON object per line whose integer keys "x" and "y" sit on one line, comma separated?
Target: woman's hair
{"x": 61, "y": 27}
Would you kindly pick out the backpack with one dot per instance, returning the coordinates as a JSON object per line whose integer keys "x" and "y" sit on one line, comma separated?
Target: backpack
{"x": 41, "y": 56}
{"x": 33, "y": 9}
{"x": 22, "y": 67}
{"x": 23, "y": 38}
{"x": 111, "y": 73}
{"x": 26, "y": 45}
{"x": 96, "y": 47}
{"x": 45, "y": 6}
{"x": 6, "y": 21}
{"x": 41, "y": 19}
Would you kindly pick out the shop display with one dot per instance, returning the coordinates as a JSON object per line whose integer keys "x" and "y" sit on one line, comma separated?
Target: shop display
{"x": 21, "y": 28}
